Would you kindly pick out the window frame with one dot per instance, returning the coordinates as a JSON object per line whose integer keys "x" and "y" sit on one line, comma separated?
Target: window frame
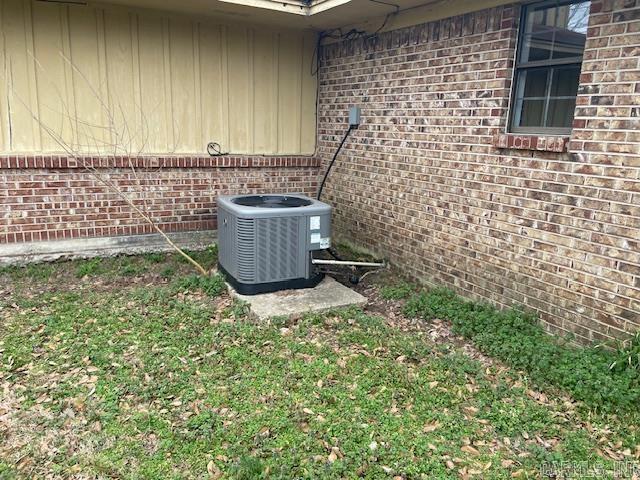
{"x": 520, "y": 66}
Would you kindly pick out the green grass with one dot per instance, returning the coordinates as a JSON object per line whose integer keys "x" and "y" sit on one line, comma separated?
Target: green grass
{"x": 174, "y": 381}
{"x": 167, "y": 265}
{"x": 35, "y": 272}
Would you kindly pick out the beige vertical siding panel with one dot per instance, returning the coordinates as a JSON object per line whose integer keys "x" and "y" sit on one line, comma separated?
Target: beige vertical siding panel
{"x": 275, "y": 101}
{"x": 183, "y": 84}
{"x": 21, "y": 84}
{"x": 195, "y": 40}
{"x": 85, "y": 55}
{"x": 308, "y": 96}
{"x": 211, "y": 84}
{"x": 238, "y": 74}
{"x": 102, "y": 91}
{"x": 53, "y": 104}
{"x": 121, "y": 98}
{"x": 266, "y": 93}
{"x": 4, "y": 92}
{"x": 253, "y": 84}
{"x": 71, "y": 122}
{"x": 162, "y": 83}
{"x": 34, "y": 111}
{"x": 290, "y": 83}
{"x": 172, "y": 126}
{"x": 155, "y": 104}
{"x": 225, "y": 88}
{"x": 139, "y": 131}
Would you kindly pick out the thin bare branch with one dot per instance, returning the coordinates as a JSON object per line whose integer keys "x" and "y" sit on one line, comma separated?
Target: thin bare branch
{"x": 123, "y": 141}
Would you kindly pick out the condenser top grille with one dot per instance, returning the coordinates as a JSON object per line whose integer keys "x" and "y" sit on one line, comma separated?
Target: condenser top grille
{"x": 272, "y": 201}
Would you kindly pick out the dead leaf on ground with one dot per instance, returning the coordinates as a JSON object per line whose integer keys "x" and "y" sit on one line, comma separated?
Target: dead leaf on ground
{"x": 431, "y": 427}
{"x": 214, "y": 472}
{"x": 469, "y": 449}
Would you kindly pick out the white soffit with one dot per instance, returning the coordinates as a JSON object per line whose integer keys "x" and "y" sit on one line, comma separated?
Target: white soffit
{"x": 310, "y": 14}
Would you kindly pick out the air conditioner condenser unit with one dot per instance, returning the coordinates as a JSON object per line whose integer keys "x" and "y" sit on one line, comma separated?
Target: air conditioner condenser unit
{"x": 265, "y": 242}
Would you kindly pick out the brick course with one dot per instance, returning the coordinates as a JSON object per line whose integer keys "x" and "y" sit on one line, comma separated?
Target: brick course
{"x": 431, "y": 181}
{"x": 53, "y": 197}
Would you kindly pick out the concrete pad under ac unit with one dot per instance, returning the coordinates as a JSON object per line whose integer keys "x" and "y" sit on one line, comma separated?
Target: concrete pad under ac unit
{"x": 329, "y": 294}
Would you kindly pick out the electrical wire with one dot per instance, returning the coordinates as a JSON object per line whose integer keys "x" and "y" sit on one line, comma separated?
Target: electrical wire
{"x": 362, "y": 277}
{"x": 338, "y": 34}
{"x": 215, "y": 150}
{"x": 384, "y": 23}
{"x": 335, "y": 155}
{"x": 388, "y": 16}
{"x": 334, "y": 254}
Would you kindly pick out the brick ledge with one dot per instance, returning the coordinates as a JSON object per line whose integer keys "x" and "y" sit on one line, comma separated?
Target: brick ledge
{"x": 543, "y": 143}
{"x": 178, "y": 161}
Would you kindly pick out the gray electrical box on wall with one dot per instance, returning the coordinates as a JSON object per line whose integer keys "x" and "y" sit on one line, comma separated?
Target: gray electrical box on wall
{"x": 354, "y": 116}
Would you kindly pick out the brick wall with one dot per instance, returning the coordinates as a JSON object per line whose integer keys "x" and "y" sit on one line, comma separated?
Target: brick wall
{"x": 431, "y": 181}
{"x": 50, "y": 198}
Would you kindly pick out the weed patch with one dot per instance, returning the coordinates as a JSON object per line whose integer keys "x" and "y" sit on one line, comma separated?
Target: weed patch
{"x": 89, "y": 267}
{"x": 627, "y": 355}
{"x": 212, "y": 285}
{"x": 516, "y": 338}
{"x": 399, "y": 291}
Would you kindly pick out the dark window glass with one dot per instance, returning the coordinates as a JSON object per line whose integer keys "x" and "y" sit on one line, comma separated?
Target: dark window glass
{"x": 564, "y": 81}
{"x": 538, "y": 46}
{"x": 532, "y": 111}
{"x": 534, "y": 82}
{"x": 548, "y": 66}
{"x": 560, "y": 112}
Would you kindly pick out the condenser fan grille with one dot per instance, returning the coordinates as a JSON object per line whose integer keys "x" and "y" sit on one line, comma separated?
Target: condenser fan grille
{"x": 271, "y": 201}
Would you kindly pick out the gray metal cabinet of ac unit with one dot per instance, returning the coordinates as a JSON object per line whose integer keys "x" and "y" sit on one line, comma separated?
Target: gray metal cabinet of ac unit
{"x": 265, "y": 241}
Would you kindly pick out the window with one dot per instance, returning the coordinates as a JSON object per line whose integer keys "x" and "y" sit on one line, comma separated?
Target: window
{"x": 551, "y": 43}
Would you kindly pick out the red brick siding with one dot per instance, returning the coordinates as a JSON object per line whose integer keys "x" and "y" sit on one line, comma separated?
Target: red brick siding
{"x": 607, "y": 122}
{"x": 422, "y": 182}
{"x": 50, "y": 197}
